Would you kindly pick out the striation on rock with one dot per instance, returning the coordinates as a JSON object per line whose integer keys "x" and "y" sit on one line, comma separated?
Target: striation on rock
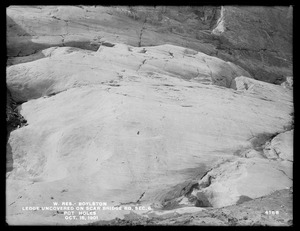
{"x": 63, "y": 68}
{"x": 258, "y": 39}
{"x": 148, "y": 106}
{"x": 85, "y": 134}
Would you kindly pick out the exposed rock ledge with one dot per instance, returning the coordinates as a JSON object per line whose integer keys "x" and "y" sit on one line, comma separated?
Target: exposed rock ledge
{"x": 258, "y": 39}
{"x": 74, "y": 67}
{"x": 112, "y": 126}
{"x": 275, "y": 209}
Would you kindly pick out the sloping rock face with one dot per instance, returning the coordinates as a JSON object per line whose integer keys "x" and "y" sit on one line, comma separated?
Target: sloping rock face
{"x": 256, "y": 212}
{"x": 13, "y": 117}
{"x": 259, "y": 39}
{"x": 14, "y": 120}
{"x": 281, "y": 146}
{"x": 71, "y": 67}
{"x": 140, "y": 122}
{"x": 163, "y": 126}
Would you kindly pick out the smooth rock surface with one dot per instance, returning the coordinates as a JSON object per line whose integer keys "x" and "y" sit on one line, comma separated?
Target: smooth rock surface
{"x": 111, "y": 138}
{"x": 259, "y": 39}
{"x": 64, "y": 68}
{"x": 170, "y": 108}
{"x": 245, "y": 177}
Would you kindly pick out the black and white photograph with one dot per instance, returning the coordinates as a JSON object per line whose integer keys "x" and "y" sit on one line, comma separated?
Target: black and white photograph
{"x": 149, "y": 115}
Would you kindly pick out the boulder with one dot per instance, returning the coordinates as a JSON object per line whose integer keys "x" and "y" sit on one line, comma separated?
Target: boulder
{"x": 251, "y": 178}
{"x": 281, "y": 146}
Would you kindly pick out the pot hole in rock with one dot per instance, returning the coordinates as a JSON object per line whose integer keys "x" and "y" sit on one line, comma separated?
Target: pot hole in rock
{"x": 172, "y": 198}
{"x": 258, "y": 143}
{"x": 243, "y": 199}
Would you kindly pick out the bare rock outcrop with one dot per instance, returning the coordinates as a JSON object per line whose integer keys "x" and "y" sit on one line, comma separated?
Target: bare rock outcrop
{"x": 281, "y": 146}
{"x": 288, "y": 83}
{"x": 172, "y": 108}
{"x": 258, "y": 39}
{"x": 114, "y": 108}
{"x": 227, "y": 184}
{"x": 71, "y": 67}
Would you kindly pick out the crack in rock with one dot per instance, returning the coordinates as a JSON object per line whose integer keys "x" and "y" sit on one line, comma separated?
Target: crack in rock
{"x": 284, "y": 173}
{"x": 63, "y": 40}
{"x": 144, "y": 61}
{"x": 141, "y": 32}
{"x": 15, "y": 200}
{"x": 136, "y": 202}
